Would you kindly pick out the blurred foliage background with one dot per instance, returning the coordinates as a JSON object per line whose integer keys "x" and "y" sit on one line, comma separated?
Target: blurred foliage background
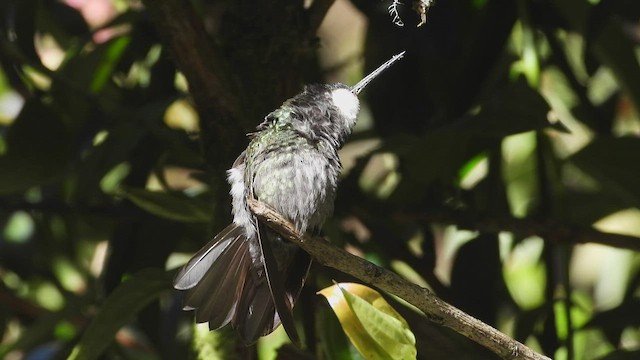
{"x": 497, "y": 164}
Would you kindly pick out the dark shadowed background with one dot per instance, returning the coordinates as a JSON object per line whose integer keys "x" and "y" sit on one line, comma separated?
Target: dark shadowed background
{"x": 498, "y": 164}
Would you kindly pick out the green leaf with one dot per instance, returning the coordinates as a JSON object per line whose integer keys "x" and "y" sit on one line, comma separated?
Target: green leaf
{"x": 36, "y": 149}
{"x": 90, "y": 71}
{"x": 111, "y": 57}
{"x": 170, "y": 205}
{"x": 372, "y": 325}
{"x": 119, "y": 308}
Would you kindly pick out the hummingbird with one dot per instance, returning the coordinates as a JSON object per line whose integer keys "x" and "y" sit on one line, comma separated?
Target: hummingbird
{"x": 248, "y": 275}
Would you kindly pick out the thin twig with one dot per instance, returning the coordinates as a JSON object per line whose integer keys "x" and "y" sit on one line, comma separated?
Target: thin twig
{"x": 434, "y": 308}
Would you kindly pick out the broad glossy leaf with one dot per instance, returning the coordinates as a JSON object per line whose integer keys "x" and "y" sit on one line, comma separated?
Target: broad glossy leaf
{"x": 372, "y": 325}
{"x": 119, "y": 308}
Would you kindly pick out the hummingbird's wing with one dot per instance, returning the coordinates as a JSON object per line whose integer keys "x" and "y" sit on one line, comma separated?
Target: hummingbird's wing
{"x": 276, "y": 281}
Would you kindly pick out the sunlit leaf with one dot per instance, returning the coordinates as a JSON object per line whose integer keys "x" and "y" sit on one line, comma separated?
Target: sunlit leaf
{"x": 209, "y": 344}
{"x": 524, "y": 273}
{"x": 111, "y": 56}
{"x": 470, "y": 165}
{"x": 19, "y": 227}
{"x": 119, "y": 308}
{"x": 520, "y": 168}
{"x": 372, "y": 325}
{"x": 65, "y": 330}
{"x": 112, "y": 180}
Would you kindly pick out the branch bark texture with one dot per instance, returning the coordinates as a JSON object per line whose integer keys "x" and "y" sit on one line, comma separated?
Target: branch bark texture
{"x": 434, "y": 308}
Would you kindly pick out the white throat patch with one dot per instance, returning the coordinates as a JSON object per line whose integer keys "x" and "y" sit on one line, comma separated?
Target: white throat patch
{"x": 347, "y": 103}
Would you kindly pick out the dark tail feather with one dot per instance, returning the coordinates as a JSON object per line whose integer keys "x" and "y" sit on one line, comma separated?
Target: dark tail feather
{"x": 255, "y": 315}
{"x": 223, "y": 285}
{"x": 263, "y": 318}
{"x": 276, "y": 275}
{"x": 214, "y": 277}
{"x": 215, "y": 297}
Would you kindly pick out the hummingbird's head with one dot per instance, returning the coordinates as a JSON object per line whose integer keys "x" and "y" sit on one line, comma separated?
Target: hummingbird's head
{"x": 345, "y": 98}
{"x": 328, "y": 111}
{"x": 324, "y": 112}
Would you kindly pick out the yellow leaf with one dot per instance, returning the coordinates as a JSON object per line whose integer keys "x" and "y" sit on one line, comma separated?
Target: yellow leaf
{"x": 375, "y": 329}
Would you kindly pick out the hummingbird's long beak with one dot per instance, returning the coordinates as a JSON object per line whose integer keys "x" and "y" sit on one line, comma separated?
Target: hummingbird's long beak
{"x": 362, "y": 83}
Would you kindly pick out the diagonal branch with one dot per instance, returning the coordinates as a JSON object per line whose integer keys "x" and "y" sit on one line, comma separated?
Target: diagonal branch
{"x": 434, "y": 308}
